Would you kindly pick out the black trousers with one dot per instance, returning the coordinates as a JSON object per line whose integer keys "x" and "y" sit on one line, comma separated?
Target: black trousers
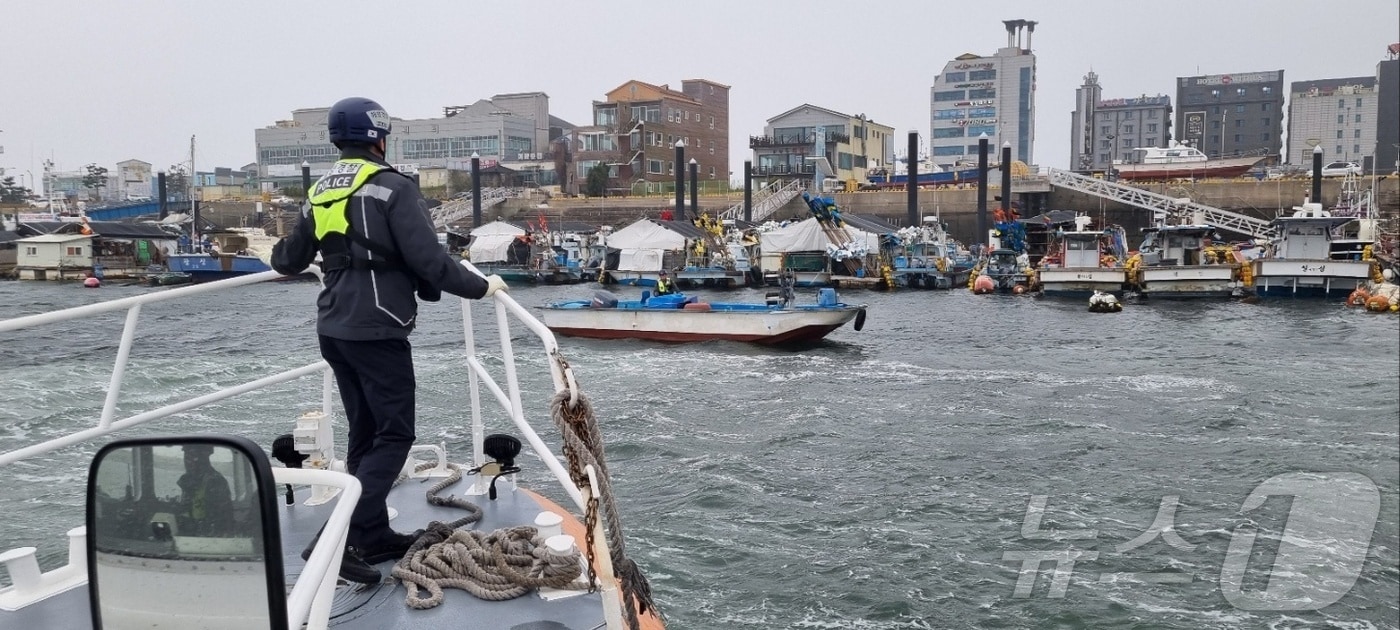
{"x": 377, "y": 388}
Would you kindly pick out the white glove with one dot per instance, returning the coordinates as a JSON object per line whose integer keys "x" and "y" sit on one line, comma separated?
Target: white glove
{"x": 494, "y": 283}
{"x": 263, "y": 253}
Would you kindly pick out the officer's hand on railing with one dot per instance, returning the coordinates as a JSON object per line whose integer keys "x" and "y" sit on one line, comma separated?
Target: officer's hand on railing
{"x": 263, "y": 252}
{"x": 494, "y": 283}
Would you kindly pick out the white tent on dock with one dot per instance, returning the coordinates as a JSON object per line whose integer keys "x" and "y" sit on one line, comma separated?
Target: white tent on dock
{"x": 808, "y": 236}
{"x": 492, "y": 242}
{"x": 642, "y": 245}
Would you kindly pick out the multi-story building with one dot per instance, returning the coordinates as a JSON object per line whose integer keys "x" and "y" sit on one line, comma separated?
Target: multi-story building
{"x": 852, "y": 145}
{"x": 1104, "y": 132}
{"x": 133, "y": 180}
{"x": 1231, "y": 115}
{"x": 1338, "y": 115}
{"x": 1388, "y": 111}
{"x": 635, "y": 131}
{"x": 993, "y": 95}
{"x": 507, "y": 128}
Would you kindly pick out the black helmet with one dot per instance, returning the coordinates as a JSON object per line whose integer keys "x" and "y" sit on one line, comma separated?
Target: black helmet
{"x": 357, "y": 119}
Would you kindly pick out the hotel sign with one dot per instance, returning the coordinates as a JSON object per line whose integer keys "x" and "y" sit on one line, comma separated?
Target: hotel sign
{"x": 975, "y": 66}
{"x": 1248, "y": 77}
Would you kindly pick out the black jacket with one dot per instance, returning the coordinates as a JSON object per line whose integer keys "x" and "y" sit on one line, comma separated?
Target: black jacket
{"x": 361, "y": 304}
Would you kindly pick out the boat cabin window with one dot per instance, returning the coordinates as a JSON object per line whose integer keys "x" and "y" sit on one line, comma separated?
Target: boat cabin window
{"x": 1078, "y": 245}
{"x": 169, "y": 501}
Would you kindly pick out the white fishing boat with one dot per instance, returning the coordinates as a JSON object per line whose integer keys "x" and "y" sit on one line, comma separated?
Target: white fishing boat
{"x": 144, "y": 559}
{"x": 1300, "y": 262}
{"x": 1082, "y": 262}
{"x": 1182, "y": 261}
{"x": 677, "y": 318}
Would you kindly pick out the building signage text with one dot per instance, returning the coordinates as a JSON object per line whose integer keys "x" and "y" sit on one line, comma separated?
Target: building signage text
{"x": 976, "y": 121}
{"x": 1248, "y": 77}
{"x": 1134, "y": 102}
{"x": 1195, "y": 124}
{"x": 969, "y": 66}
{"x": 980, "y": 84}
{"x": 974, "y": 103}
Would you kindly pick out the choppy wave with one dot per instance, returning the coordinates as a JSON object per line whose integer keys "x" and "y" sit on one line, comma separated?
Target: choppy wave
{"x": 877, "y": 480}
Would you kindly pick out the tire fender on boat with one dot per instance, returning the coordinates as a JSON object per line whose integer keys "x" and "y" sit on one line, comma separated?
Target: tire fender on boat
{"x": 860, "y": 320}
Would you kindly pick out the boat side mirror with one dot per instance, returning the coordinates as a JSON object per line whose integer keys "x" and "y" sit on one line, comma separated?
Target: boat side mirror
{"x": 183, "y": 533}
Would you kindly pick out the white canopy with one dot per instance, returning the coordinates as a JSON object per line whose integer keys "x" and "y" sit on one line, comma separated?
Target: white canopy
{"x": 491, "y": 241}
{"x": 646, "y": 234}
{"x": 643, "y": 244}
{"x": 807, "y": 236}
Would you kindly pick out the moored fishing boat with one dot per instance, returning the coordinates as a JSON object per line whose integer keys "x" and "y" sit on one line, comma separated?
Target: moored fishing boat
{"x": 1183, "y": 261}
{"x": 1300, "y": 262}
{"x": 1082, "y": 262}
{"x": 678, "y": 318}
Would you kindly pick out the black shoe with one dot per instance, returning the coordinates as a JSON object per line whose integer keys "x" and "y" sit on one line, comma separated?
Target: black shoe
{"x": 391, "y": 548}
{"x": 354, "y": 569}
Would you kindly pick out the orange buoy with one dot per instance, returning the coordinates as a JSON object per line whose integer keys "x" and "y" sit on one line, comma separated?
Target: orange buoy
{"x": 983, "y": 284}
{"x": 697, "y": 306}
{"x": 1378, "y": 304}
{"x": 92, "y": 283}
{"x": 1018, "y": 289}
{"x": 1358, "y": 297}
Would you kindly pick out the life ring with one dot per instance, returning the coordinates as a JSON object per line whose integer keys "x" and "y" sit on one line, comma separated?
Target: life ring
{"x": 860, "y": 320}
{"x": 1358, "y": 297}
{"x": 1378, "y": 304}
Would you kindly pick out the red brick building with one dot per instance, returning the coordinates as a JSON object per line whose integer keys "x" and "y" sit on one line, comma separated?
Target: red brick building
{"x": 635, "y": 132}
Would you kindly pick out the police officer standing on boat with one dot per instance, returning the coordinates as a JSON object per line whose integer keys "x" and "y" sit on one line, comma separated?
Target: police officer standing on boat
{"x": 378, "y": 247}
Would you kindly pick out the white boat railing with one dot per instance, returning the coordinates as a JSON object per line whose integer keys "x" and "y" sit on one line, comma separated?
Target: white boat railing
{"x": 509, "y": 396}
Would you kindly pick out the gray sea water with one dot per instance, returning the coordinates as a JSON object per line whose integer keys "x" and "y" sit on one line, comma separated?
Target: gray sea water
{"x": 896, "y": 477}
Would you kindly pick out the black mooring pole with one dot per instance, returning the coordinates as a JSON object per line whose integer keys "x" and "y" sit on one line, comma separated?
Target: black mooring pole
{"x": 748, "y": 191}
{"x": 983, "y": 147}
{"x": 476, "y": 190}
{"x": 912, "y": 186}
{"x": 680, "y": 180}
{"x": 1006, "y": 179}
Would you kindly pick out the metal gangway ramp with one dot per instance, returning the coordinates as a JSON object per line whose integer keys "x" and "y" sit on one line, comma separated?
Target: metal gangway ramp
{"x": 766, "y": 200}
{"x": 1176, "y": 210}
{"x": 460, "y": 208}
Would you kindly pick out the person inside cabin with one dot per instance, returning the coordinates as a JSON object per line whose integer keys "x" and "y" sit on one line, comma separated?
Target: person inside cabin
{"x": 663, "y": 284}
{"x": 206, "y": 505}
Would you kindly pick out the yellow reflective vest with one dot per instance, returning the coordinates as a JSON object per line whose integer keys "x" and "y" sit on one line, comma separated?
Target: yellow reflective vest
{"x": 330, "y": 196}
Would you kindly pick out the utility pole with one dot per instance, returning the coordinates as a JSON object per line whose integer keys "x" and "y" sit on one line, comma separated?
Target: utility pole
{"x": 194, "y": 207}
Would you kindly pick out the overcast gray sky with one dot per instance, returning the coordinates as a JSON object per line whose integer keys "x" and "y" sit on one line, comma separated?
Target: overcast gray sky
{"x": 108, "y": 81}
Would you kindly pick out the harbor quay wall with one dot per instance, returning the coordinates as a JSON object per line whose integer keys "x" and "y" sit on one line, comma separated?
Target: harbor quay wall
{"x": 957, "y": 207}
